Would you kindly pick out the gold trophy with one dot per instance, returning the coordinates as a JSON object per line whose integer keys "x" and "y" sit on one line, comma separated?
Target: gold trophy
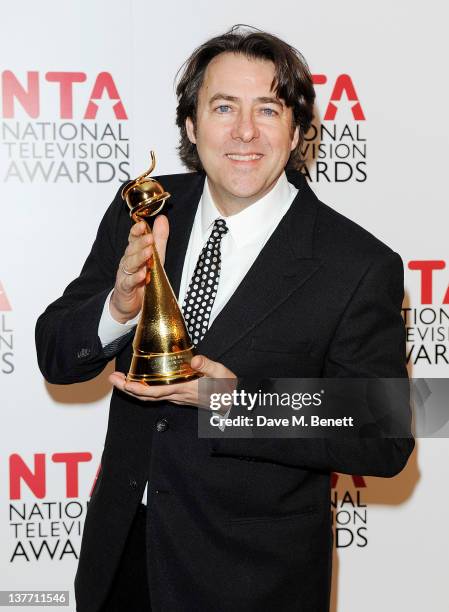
{"x": 162, "y": 348}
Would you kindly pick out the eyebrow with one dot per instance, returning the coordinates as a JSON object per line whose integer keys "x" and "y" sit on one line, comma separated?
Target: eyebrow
{"x": 260, "y": 99}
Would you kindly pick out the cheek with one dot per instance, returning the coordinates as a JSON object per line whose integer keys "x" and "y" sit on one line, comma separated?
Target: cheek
{"x": 279, "y": 136}
{"x": 211, "y": 137}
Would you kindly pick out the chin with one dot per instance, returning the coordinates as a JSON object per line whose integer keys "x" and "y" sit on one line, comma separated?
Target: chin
{"x": 246, "y": 189}
{"x": 246, "y": 194}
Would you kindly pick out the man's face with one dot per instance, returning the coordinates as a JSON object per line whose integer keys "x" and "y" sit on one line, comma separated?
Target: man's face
{"x": 243, "y": 132}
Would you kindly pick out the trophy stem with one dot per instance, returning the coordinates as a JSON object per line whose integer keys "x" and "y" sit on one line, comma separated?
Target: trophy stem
{"x": 162, "y": 349}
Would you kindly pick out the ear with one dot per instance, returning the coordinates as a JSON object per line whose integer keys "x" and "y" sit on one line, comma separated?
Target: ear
{"x": 295, "y": 138}
{"x": 190, "y": 129}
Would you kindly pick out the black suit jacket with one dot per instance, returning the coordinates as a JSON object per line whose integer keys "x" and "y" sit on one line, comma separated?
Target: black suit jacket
{"x": 235, "y": 525}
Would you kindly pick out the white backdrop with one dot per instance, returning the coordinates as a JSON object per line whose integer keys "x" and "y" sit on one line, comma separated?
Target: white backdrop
{"x": 393, "y": 535}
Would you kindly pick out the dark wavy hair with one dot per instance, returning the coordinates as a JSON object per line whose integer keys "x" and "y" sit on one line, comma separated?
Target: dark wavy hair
{"x": 292, "y": 82}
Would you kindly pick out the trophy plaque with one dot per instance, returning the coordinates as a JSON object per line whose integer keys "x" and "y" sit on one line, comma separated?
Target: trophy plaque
{"x": 162, "y": 348}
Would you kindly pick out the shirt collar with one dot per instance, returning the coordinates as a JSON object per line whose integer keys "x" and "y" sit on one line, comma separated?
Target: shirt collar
{"x": 254, "y": 220}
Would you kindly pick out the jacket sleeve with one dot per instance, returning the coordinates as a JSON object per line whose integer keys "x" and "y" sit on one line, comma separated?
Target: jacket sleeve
{"x": 369, "y": 342}
{"x": 68, "y": 347}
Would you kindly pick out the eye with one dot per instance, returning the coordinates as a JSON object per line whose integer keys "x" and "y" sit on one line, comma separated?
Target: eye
{"x": 269, "y": 112}
{"x": 223, "y": 108}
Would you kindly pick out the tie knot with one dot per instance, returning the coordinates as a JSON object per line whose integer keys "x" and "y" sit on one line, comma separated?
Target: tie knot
{"x": 220, "y": 229}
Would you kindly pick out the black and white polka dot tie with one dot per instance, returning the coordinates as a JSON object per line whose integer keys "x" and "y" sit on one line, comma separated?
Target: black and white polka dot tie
{"x": 203, "y": 287}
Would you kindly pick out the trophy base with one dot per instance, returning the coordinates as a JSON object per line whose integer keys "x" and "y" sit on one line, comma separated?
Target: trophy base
{"x": 162, "y": 368}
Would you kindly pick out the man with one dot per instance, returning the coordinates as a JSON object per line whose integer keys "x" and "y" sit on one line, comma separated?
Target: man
{"x": 297, "y": 291}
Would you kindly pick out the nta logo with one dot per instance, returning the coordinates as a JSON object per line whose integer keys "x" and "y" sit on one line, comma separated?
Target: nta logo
{"x": 15, "y": 91}
{"x": 35, "y": 478}
{"x": 343, "y": 85}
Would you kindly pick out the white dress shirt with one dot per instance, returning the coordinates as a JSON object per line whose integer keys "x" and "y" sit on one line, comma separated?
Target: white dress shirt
{"x": 248, "y": 232}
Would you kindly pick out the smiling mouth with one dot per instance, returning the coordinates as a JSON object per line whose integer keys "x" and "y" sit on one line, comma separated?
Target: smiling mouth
{"x": 244, "y": 158}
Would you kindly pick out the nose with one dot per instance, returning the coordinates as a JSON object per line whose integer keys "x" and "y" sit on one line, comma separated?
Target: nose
{"x": 245, "y": 127}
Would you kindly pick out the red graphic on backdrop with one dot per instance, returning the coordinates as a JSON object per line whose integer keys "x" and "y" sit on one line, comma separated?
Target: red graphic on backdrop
{"x": 28, "y": 95}
{"x": 426, "y": 267}
{"x": 4, "y": 302}
{"x": 358, "y": 481}
{"x": 35, "y": 478}
{"x": 343, "y": 85}
{"x": 105, "y": 83}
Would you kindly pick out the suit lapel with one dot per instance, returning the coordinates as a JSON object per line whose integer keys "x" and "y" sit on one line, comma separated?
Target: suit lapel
{"x": 285, "y": 263}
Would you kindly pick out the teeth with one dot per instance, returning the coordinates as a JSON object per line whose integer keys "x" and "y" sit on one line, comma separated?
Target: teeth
{"x": 243, "y": 157}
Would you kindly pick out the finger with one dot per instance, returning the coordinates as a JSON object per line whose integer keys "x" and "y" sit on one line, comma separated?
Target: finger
{"x": 120, "y": 375}
{"x": 128, "y": 281}
{"x": 156, "y": 392}
{"x": 138, "y": 229}
{"x": 160, "y": 233}
{"x": 133, "y": 263}
{"x": 118, "y": 379}
{"x": 138, "y": 254}
{"x": 139, "y": 243}
{"x": 209, "y": 368}
{"x": 141, "y": 398}
{"x": 179, "y": 399}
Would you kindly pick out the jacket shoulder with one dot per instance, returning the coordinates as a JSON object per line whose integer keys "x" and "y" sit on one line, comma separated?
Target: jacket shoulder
{"x": 336, "y": 234}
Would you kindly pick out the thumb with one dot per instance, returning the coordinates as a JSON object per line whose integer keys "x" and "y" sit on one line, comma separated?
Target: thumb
{"x": 211, "y": 369}
{"x": 202, "y": 364}
{"x": 160, "y": 233}
{"x": 206, "y": 366}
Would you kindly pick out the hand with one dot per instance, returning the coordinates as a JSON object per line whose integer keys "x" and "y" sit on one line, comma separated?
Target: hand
{"x": 126, "y": 299}
{"x": 179, "y": 393}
